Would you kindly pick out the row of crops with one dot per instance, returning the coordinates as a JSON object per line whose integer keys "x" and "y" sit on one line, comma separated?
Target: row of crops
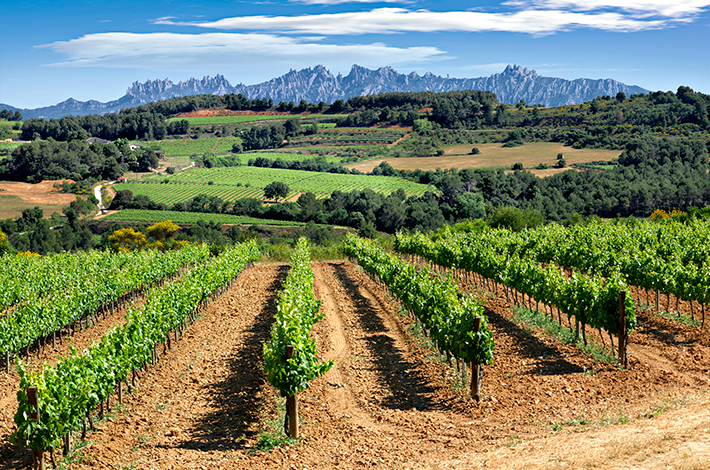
{"x": 232, "y": 183}
{"x": 65, "y": 395}
{"x": 177, "y": 193}
{"x": 83, "y": 284}
{"x": 290, "y": 358}
{"x": 139, "y": 215}
{"x": 455, "y": 321}
{"x": 669, "y": 258}
{"x": 337, "y": 136}
{"x": 187, "y": 147}
{"x": 219, "y": 120}
{"x": 593, "y": 300}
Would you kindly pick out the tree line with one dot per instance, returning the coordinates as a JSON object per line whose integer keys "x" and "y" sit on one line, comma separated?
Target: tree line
{"x": 78, "y": 160}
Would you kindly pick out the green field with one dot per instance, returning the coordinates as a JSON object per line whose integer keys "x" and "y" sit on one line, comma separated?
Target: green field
{"x": 232, "y": 183}
{"x": 187, "y": 147}
{"x": 9, "y": 145}
{"x": 287, "y": 156}
{"x": 136, "y": 215}
{"x": 217, "y": 120}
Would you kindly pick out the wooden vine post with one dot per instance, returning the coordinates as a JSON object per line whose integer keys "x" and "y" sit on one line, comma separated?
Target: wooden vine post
{"x": 37, "y": 455}
{"x": 476, "y": 375}
{"x": 291, "y": 421}
{"x": 623, "y": 334}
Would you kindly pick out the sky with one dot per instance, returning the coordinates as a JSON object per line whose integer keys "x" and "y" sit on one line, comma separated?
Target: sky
{"x": 95, "y": 49}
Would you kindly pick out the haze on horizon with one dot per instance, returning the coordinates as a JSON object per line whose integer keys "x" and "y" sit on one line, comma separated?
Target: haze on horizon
{"x": 54, "y": 51}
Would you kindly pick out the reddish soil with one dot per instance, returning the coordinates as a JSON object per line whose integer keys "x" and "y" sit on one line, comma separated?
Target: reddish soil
{"x": 386, "y": 405}
{"x": 9, "y": 383}
{"x": 228, "y": 112}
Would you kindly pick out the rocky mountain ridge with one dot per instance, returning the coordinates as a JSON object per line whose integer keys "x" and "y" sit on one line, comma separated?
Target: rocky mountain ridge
{"x": 318, "y": 84}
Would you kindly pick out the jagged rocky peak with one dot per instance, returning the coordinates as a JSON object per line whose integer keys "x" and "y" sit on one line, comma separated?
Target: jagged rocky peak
{"x": 318, "y": 84}
{"x": 512, "y": 70}
{"x": 150, "y": 87}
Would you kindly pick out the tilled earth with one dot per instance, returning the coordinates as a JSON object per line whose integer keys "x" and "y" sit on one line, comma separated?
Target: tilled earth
{"x": 387, "y": 403}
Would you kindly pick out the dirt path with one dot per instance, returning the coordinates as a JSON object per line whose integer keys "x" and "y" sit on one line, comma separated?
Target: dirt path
{"x": 384, "y": 404}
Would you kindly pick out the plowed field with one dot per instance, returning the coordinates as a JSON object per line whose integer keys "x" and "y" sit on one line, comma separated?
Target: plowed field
{"x": 385, "y": 404}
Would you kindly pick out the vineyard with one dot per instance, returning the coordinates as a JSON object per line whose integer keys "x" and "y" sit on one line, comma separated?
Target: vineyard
{"x": 219, "y": 120}
{"x": 139, "y": 215}
{"x": 346, "y": 136}
{"x": 187, "y": 147}
{"x": 287, "y": 156}
{"x": 384, "y": 353}
{"x": 232, "y": 183}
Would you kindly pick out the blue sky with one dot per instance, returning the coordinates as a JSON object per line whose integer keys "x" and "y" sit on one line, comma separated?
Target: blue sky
{"x": 85, "y": 50}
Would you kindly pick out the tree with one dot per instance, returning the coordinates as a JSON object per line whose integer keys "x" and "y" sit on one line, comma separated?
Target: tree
{"x": 561, "y": 163}
{"x": 126, "y": 239}
{"x": 4, "y": 244}
{"x": 470, "y": 206}
{"x": 515, "y": 219}
{"x": 147, "y": 159}
{"x": 276, "y": 190}
{"x": 164, "y": 232}
{"x": 121, "y": 199}
{"x": 475, "y": 151}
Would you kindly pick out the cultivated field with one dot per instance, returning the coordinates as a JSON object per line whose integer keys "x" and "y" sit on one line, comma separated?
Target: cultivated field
{"x": 16, "y": 197}
{"x": 286, "y": 156}
{"x": 232, "y": 183}
{"x": 135, "y": 215}
{"x": 387, "y": 403}
{"x": 219, "y": 120}
{"x": 187, "y": 147}
{"x": 494, "y": 155}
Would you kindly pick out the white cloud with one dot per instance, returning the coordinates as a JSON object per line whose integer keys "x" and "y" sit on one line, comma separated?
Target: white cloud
{"x": 397, "y": 20}
{"x": 163, "y": 51}
{"x": 339, "y": 2}
{"x": 638, "y": 8}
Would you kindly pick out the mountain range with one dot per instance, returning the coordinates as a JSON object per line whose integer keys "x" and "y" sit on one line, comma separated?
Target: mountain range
{"x": 318, "y": 84}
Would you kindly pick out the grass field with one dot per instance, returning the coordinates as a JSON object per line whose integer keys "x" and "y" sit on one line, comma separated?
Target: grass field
{"x": 11, "y": 207}
{"x": 217, "y": 120}
{"x": 494, "y": 155}
{"x": 234, "y": 183}
{"x": 135, "y": 215}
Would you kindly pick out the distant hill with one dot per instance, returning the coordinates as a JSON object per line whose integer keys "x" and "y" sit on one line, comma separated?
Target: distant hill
{"x": 318, "y": 84}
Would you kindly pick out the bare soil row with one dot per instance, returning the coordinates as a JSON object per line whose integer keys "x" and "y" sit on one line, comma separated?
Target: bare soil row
{"x": 385, "y": 404}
